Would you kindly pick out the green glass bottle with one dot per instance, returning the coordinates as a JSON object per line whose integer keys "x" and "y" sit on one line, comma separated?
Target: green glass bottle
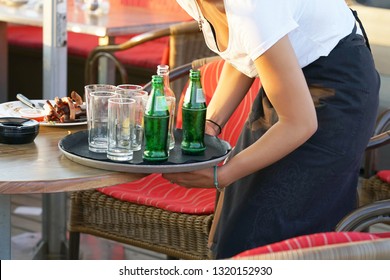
{"x": 163, "y": 70}
{"x": 156, "y": 123}
{"x": 194, "y": 116}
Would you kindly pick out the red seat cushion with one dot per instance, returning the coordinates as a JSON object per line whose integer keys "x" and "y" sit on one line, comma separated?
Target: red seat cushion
{"x": 154, "y": 190}
{"x": 147, "y": 55}
{"x": 31, "y": 37}
{"x": 384, "y": 175}
{"x": 313, "y": 240}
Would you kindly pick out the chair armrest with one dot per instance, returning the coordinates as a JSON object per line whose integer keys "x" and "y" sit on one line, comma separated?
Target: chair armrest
{"x": 383, "y": 122}
{"x": 365, "y": 216}
{"x": 380, "y": 138}
{"x": 183, "y": 70}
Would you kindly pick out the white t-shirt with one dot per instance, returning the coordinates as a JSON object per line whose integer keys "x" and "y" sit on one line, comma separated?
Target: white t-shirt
{"x": 314, "y": 28}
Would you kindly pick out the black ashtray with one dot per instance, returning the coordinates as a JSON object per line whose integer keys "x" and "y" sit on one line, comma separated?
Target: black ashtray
{"x": 14, "y": 130}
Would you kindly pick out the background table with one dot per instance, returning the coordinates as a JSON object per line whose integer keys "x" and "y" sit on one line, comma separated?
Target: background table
{"x": 121, "y": 20}
{"x": 40, "y": 167}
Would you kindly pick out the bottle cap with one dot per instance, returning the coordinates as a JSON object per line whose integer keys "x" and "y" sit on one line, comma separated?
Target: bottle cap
{"x": 157, "y": 79}
{"x": 194, "y": 73}
{"x": 162, "y": 69}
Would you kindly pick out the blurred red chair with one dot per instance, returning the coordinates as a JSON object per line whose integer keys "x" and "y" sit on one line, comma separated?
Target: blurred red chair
{"x": 152, "y": 213}
{"x": 324, "y": 246}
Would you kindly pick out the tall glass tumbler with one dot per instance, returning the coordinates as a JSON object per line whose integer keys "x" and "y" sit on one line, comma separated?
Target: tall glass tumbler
{"x": 135, "y": 92}
{"x": 121, "y": 119}
{"x": 98, "y": 120}
{"x": 88, "y": 89}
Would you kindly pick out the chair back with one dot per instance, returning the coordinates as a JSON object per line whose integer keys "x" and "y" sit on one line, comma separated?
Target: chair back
{"x": 210, "y": 74}
{"x": 185, "y": 44}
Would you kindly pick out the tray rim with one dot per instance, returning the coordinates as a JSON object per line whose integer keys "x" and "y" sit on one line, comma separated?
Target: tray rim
{"x": 146, "y": 168}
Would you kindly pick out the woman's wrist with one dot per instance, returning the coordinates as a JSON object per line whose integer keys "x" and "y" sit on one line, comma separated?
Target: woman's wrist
{"x": 221, "y": 179}
{"x": 216, "y": 181}
{"x": 215, "y": 126}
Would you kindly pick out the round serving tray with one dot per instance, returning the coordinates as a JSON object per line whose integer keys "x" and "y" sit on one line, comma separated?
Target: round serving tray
{"x": 75, "y": 147}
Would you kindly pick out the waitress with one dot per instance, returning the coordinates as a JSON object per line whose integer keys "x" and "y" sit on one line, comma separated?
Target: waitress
{"x": 295, "y": 168}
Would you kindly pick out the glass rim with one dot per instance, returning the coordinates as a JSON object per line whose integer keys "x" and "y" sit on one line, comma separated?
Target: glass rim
{"x": 141, "y": 93}
{"x": 129, "y": 87}
{"x": 103, "y": 93}
{"x": 98, "y": 86}
{"x": 121, "y": 100}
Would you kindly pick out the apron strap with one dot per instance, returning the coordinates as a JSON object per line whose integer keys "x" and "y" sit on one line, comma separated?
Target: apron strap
{"x": 362, "y": 28}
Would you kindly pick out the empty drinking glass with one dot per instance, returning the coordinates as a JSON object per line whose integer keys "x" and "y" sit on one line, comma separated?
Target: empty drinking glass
{"x": 121, "y": 120}
{"x": 135, "y": 92}
{"x": 98, "y": 120}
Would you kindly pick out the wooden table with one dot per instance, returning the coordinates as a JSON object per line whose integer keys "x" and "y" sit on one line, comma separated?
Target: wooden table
{"x": 40, "y": 167}
{"x": 121, "y": 20}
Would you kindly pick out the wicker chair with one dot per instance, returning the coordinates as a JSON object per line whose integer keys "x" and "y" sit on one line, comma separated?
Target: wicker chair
{"x": 373, "y": 188}
{"x": 186, "y": 43}
{"x": 178, "y": 235}
{"x": 374, "y": 196}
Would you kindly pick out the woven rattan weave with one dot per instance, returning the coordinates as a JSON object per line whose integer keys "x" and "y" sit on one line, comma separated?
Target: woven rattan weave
{"x": 376, "y": 189}
{"x": 174, "y": 234}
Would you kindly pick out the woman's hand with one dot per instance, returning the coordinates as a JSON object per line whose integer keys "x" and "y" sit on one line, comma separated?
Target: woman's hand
{"x": 197, "y": 179}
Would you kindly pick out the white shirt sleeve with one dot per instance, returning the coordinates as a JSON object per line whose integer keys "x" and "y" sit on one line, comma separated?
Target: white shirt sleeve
{"x": 259, "y": 24}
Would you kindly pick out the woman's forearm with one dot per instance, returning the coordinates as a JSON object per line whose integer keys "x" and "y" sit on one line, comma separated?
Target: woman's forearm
{"x": 231, "y": 89}
{"x": 287, "y": 90}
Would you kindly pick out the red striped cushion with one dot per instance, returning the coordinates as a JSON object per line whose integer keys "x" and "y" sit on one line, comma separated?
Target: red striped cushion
{"x": 312, "y": 240}
{"x": 384, "y": 175}
{"x": 154, "y": 190}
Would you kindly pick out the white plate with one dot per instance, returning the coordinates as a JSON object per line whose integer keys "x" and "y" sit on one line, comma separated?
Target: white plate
{"x": 12, "y": 108}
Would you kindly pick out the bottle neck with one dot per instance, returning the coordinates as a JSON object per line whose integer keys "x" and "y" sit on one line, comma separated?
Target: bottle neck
{"x": 194, "y": 97}
{"x": 167, "y": 86}
{"x": 166, "y": 80}
{"x": 156, "y": 104}
{"x": 157, "y": 89}
{"x": 163, "y": 70}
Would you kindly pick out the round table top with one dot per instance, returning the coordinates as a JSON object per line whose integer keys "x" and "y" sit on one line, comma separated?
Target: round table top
{"x": 40, "y": 167}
